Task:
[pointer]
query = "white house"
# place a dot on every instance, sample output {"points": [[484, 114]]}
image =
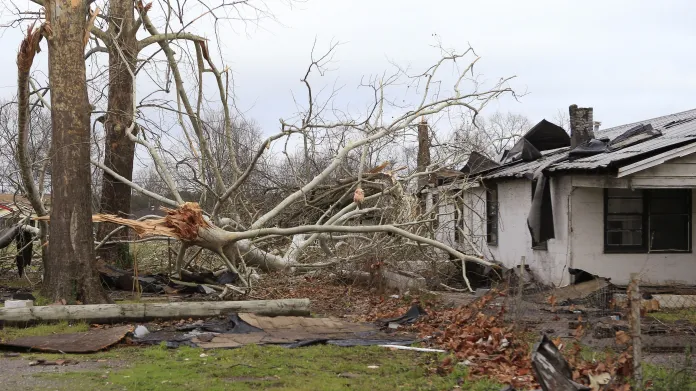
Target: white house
{"points": [[610, 202]]}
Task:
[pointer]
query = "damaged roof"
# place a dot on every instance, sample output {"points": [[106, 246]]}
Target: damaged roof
{"points": [[671, 131]]}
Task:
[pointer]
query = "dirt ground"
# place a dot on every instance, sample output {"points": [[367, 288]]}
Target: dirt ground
{"points": [[530, 313]]}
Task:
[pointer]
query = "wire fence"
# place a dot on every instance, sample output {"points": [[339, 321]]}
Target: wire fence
{"points": [[662, 324], [655, 324]]}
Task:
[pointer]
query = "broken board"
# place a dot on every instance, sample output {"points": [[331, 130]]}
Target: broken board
{"points": [[284, 330], [86, 342]]}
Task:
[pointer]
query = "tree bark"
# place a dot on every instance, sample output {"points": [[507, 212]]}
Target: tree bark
{"points": [[119, 150], [70, 272]]}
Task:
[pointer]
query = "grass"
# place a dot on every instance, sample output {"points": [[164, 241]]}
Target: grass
{"points": [[671, 316], [10, 333], [668, 379], [256, 368], [321, 367]]}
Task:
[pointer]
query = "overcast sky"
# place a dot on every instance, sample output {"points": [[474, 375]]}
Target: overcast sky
{"points": [[630, 60]]}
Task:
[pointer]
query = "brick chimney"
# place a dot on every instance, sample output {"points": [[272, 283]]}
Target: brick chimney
{"points": [[423, 158], [581, 125]]}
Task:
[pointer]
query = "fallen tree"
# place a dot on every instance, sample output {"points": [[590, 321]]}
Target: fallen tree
{"points": [[140, 312], [334, 146]]}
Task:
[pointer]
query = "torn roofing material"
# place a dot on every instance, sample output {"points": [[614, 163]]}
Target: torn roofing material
{"points": [[478, 163], [546, 136], [625, 143]]}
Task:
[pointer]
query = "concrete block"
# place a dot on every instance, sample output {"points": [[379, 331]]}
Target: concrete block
{"points": [[19, 303]]}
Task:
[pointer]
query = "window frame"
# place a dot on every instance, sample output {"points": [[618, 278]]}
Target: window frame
{"points": [[492, 226], [644, 247]]}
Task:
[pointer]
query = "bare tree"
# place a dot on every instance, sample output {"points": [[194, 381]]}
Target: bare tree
{"points": [[337, 152], [238, 245], [490, 135]]}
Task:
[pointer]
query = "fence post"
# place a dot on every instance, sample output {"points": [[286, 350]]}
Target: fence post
{"points": [[520, 288], [634, 301]]}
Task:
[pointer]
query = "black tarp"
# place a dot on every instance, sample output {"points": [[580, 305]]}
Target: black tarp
{"points": [[23, 241], [540, 218], [551, 370], [523, 150], [545, 136], [7, 235], [478, 163], [589, 148]]}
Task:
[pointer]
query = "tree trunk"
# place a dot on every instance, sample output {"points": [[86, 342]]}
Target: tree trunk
{"points": [[70, 272], [119, 150], [140, 312]]}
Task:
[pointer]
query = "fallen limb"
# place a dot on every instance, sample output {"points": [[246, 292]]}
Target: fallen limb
{"points": [[140, 312], [401, 347]]}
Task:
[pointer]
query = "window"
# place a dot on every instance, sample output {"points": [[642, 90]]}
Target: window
{"points": [[492, 216], [641, 221]]}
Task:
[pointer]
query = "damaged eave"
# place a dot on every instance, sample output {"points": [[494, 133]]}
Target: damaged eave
{"points": [[656, 160]]}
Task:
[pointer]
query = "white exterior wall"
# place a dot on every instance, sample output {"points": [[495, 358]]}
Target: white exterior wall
{"points": [[514, 239], [584, 247], [587, 245]]}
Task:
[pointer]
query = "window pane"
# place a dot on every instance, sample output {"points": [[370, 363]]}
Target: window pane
{"points": [[625, 238], [669, 201], [669, 232], [625, 205], [664, 205], [624, 193], [624, 223], [669, 193]]}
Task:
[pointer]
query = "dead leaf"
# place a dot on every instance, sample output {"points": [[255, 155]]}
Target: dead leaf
{"points": [[622, 338], [599, 380]]}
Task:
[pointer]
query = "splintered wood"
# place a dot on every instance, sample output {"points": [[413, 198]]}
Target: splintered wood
{"points": [[181, 223]]}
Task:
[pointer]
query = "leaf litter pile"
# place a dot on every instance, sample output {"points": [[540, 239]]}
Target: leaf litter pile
{"points": [[477, 334], [479, 338]]}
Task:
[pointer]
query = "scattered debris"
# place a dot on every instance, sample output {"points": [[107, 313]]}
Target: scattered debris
{"points": [[86, 342], [53, 362], [552, 370], [141, 331], [400, 347], [410, 317], [244, 329]]}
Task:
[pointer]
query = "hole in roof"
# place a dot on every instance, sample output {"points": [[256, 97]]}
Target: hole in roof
{"points": [[679, 122]]}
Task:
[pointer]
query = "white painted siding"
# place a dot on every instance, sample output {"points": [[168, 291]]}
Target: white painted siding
{"points": [[679, 172], [588, 248]]}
